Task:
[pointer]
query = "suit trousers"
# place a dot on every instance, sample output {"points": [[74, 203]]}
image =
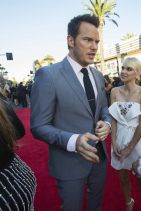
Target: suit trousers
{"points": [[72, 191]]}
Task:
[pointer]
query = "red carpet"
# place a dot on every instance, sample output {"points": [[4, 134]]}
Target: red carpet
{"points": [[35, 154]]}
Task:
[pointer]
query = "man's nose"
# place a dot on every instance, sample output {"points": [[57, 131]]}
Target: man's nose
{"points": [[94, 45]]}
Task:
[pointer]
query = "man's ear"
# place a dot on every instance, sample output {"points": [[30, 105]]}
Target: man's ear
{"points": [[70, 41]]}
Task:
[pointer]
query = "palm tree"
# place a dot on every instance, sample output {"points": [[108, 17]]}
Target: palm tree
{"points": [[127, 36], [48, 59], [103, 9], [2, 81], [36, 65], [1, 69]]}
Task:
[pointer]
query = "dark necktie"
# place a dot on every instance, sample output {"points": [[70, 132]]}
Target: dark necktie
{"points": [[89, 90]]}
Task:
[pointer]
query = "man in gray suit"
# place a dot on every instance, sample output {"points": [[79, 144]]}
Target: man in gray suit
{"points": [[62, 117]]}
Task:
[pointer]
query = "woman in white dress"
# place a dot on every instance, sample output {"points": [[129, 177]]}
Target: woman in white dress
{"points": [[125, 110]]}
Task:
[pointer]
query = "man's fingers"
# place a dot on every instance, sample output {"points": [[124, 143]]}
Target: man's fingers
{"points": [[99, 124], [89, 152], [102, 138], [90, 136], [102, 130], [82, 142], [90, 156], [87, 147], [102, 134]]}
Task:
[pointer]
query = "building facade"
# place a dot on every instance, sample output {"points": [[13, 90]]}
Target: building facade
{"points": [[114, 56]]}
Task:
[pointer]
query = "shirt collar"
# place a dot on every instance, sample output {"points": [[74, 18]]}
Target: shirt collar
{"points": [[75, 65]]}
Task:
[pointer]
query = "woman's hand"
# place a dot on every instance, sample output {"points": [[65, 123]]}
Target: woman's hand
{"points": [[125, 152], [117, 151]]}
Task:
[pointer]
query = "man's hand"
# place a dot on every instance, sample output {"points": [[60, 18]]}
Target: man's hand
{"points": [[102, 130], [86, 150]]}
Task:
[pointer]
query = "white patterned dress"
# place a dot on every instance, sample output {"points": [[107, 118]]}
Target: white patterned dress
{"points": [[127, 116]]}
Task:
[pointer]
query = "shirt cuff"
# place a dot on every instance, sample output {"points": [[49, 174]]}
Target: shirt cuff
{"points": [[71, 146], [108, 124]]}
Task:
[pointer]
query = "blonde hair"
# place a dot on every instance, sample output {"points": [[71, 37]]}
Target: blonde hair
{"points": [[134, 63]]}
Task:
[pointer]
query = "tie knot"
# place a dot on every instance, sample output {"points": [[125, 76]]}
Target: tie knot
{"points": [[84, 71]]}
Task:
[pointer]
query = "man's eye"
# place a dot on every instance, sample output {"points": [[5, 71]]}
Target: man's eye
{"points": [[87, 39]]}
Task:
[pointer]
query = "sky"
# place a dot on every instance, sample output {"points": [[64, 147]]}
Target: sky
{"points": [[32, 29]]}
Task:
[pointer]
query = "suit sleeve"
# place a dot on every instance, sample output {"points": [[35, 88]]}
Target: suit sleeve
{"points": [[43, 103]]}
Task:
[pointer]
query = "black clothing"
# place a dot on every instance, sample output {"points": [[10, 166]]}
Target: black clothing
{"points": [[17, 186], [21, 92]]}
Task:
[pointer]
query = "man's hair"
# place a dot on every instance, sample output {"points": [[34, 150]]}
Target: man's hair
{"points": [[74, 24]]}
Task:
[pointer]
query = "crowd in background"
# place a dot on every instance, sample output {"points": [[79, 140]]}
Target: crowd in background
{"points": [[18, 94], [113, 82]]}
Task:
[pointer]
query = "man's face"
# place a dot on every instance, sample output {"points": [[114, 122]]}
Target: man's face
{"points": [[84, 47]]}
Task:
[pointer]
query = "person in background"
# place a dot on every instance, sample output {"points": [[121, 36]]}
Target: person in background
{"points": [[13, 90], [17, 181], [125, 110], [69, 112], [117, 82], [6, 91], [108, 87], [29, 88], [21, 92]]}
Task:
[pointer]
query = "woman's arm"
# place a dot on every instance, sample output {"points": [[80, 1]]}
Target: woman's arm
{"points": [[136, 137], [114, 125]]}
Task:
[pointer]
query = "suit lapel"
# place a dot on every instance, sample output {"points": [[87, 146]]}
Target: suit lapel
{"points": [[74, 83]]}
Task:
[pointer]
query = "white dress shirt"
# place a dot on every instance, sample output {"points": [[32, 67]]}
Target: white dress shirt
{"points": [[71, 146]]}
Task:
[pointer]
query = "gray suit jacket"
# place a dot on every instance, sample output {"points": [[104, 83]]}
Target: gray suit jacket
{"points": [[59, 109]]}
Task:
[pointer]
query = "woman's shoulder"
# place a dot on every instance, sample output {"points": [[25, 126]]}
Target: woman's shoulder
{"points": [[116, 90]]}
